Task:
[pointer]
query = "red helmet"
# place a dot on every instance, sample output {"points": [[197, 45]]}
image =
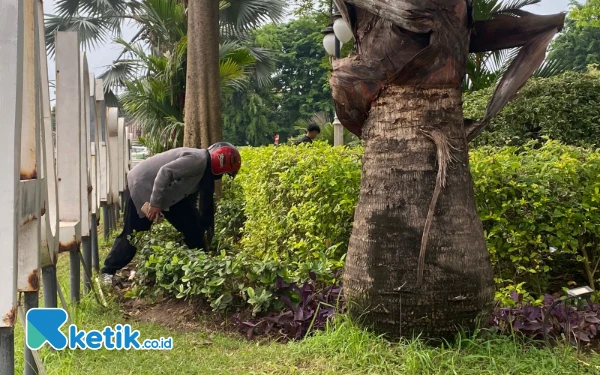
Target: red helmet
{"points": [[225, 158]]}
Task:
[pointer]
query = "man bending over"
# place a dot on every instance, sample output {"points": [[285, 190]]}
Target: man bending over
{"points": [[169, 184]]}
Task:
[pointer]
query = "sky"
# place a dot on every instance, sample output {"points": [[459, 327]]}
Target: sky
{"points": [[103, 55]]}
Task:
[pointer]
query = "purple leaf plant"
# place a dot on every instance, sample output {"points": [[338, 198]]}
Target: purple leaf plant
{"points": [[306, 307], [576, 321]]}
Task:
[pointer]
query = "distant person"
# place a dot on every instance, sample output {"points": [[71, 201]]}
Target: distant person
{"points": [[312, 131], [167, 185]]}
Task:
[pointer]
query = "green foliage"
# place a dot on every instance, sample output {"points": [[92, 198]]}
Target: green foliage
{"points": [[565, 108], [224, 279], [539, 207], [248, 117], [289, 212], [307, 7], [576, 46], [299, 205], [506, 287], [588, 14], [301, 85], [298, 89]]}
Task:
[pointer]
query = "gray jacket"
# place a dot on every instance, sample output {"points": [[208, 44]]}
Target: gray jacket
{"points": [[167, 178]]}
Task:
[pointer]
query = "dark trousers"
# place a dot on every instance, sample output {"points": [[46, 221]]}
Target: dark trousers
{"points": [[184, 217]]}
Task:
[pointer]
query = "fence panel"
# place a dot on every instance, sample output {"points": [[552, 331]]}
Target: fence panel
{"points": [[11, 60], [121, 158], [94, 169], [86, 192], [29, 208], [52, 185], [68, 146]]}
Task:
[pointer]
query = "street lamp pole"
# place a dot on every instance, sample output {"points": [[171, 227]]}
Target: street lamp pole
{"points": [[336, 33], [338, 129]]}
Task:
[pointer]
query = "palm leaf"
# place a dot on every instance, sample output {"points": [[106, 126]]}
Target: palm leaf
{"points": [[92, 31], [550, 68], [70, 8], [232, 75], [240, 16]]}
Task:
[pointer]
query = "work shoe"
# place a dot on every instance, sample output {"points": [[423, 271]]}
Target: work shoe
{"points": [[106, 280]]}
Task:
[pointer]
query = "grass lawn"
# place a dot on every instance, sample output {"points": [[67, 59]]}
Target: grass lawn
{"points": [[341, 349]]}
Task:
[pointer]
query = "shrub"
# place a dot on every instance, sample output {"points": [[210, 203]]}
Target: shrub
{"points": [[289, 214], [564, 108], [539, 207], [286, 216], [307, 307], [225, 279], [299, 204]]}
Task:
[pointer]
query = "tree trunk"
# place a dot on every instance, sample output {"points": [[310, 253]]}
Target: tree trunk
{"points": [[203, 91], [400, 171], [417, 260]]}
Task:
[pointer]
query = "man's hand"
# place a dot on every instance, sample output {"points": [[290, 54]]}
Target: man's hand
{"points": [[154, 213]]}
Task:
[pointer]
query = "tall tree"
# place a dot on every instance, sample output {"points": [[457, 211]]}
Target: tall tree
{"points": [[577, 46], [588, 14], [202, 93], [417, 260], [300, 82], [98, 21]]}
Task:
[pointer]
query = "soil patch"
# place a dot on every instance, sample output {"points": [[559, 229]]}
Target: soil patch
{"points": [[168, 312]]}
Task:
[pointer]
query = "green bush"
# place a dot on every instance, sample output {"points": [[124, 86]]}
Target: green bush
{"points": [[540, 209], [564, 108], [299, 205], [289, 212]]}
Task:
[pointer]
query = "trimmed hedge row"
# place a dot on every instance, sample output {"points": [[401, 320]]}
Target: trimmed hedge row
{"points": [[565, 108], [289, 214]]}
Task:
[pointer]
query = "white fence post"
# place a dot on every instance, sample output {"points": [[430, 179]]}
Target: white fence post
{"points": [[94, 171], [49, 225], [11, 61], [86, 193], [121, 157], [103, 150], [112, 135], [29, 190], [126, 156], [68, 145]]}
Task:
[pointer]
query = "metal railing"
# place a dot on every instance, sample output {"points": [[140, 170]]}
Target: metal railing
{"points": [[51, 196]]}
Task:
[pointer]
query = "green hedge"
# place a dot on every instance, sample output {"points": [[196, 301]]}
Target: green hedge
{"points": [[299, 203], [564, 108], [289, 212], [540, 207]]}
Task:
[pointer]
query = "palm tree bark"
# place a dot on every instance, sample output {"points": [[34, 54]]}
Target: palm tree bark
{"points": [[202, 94], [417, 260], [406, 130]]}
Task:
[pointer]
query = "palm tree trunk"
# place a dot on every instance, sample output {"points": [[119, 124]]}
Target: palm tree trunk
{"points": [[417, 261], [414, 138], [202, 95]]}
